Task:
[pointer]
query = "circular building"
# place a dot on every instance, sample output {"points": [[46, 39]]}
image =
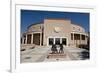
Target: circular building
{"points": [[55, 31]]}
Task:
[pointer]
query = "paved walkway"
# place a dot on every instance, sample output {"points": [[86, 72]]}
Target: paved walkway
{"points": [[33, 55], [39, 54]]}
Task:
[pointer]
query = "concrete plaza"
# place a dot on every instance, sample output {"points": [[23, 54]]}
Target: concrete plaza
{"points": [[39, 54]]}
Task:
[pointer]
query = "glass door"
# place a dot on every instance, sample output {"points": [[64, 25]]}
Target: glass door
{"points": [[51, 41], [64, 41], [57, 41]]}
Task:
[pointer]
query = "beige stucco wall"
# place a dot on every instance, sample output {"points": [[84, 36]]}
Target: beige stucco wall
{"points": [[49, 29]]}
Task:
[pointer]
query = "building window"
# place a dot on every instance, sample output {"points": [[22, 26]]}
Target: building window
{"points": [[36, 38], [71, 36], [51, 40], [83, 37], [57, 41], [76, 36], [29, 39], [64, 41]]}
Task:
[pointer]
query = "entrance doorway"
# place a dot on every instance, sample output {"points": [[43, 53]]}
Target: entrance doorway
{"points": [[57, 41], [36, 39]]}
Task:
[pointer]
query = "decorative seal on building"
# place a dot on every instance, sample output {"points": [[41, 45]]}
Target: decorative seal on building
{"points": [[57, 29]]}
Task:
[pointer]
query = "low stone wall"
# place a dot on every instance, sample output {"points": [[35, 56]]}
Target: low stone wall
{"points": [[56, 56], [27, 46]]}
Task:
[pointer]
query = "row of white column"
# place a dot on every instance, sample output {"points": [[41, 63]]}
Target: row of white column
{"points": [[79, 41], [24, 40]]}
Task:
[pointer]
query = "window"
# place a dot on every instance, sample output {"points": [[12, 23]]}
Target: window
{"points": [[83, 37], [57, 41], [76, 36], [71, 36], [51, 40], [36, 38], [29, 39], [64, 41]]}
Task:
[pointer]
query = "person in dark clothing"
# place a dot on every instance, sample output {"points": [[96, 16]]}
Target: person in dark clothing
{"points": [[54, 49], [61, 49]]}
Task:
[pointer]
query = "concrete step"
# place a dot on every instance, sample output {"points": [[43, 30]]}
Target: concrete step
{"points": [[49, 56]]}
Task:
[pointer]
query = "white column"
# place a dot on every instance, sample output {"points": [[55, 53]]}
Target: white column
{"points": [[54, 40], [60, 40], [73, 39], [26, 39], [23, 40], [32, 38], [80, 38], [40, 38], [86, 39]]}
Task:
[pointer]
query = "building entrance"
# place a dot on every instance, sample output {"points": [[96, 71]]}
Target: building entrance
{"points": [[57, 41]]}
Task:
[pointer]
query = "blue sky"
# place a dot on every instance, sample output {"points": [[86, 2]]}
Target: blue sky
{"points": [[29, 17]]}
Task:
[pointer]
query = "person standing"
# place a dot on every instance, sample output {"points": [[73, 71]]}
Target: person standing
{"points": [[54, 49], [61, 49]]}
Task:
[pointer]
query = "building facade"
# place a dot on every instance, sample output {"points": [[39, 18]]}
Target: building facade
{"points": [[55, 31]]}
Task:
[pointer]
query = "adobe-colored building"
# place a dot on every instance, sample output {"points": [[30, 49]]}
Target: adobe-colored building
{"points": [[55, 31]]}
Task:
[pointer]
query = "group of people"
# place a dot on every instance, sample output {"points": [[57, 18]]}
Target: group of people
{"points": [[57, 49]]}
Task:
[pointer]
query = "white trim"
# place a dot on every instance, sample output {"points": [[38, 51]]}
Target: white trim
{"points": [[57, 37], [84, 33], [33, 32]]}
